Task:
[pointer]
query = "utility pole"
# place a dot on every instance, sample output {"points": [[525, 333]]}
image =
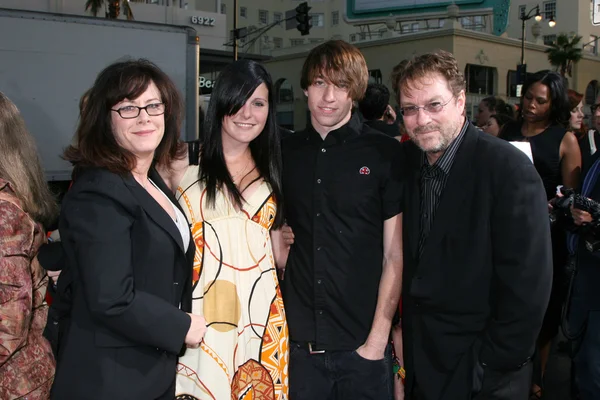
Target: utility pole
{"points": [[235, 31]]}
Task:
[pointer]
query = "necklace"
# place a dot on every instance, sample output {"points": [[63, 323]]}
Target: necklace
{"points": [[239, 172]]}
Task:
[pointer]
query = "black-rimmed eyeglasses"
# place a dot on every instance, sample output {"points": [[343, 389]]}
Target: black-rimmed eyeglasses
{"points": [[128, 112]]}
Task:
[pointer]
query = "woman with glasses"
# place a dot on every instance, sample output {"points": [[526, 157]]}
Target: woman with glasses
{"points": [[233, 200], [542, 122], [127, 244]]}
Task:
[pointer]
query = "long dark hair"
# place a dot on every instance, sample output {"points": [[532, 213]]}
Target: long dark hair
{"points": [[95, 144], [560, 112], [498, 106], [235, 85]]}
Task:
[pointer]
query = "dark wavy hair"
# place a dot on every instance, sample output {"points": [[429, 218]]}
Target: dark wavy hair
{"points": [[560, 111], [233, 88], [95, 144], [499, 106], [375, 102]]}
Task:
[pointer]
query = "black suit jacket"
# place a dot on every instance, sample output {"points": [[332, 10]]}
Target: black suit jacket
{"points": [[129, 275], [477, 295]]}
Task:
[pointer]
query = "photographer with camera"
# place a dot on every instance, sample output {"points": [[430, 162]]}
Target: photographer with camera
{"points": [[584, 304]]}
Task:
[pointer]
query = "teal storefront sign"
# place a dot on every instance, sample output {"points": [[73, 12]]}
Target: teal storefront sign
{"points": [[362, 9]]}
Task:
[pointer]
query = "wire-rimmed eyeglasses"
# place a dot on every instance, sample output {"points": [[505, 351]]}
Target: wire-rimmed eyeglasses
{"points": [[128, 112], [431, 108]]}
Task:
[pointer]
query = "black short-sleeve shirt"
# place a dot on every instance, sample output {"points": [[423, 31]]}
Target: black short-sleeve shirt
{"points": [[338, 192]]}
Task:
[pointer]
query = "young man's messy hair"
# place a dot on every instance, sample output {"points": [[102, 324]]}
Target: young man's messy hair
{"points": [[340, 63]]}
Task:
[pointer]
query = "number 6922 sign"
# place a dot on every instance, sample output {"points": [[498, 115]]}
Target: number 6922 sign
{"points": [[205, 21]]}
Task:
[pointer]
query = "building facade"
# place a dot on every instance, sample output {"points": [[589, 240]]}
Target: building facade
{"points": [[488, 61]]}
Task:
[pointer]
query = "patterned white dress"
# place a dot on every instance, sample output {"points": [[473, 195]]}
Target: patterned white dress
{"points": [[244, 354]]}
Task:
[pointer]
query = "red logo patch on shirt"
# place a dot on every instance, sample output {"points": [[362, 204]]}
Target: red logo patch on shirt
{"points": [[364, 171]]}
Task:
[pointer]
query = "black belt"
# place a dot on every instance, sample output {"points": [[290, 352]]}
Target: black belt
{"points": [[308, 346]]}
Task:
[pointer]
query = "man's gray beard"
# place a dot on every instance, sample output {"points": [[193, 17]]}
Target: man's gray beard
{"points": [[442, 146]]}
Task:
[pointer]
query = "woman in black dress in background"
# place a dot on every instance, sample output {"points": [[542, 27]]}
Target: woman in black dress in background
{"points": [[544, 115]]}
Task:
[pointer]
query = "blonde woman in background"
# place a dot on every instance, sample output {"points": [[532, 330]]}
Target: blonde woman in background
{"points": [[26, 207]]}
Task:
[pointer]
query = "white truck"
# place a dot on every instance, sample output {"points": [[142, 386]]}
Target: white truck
{"points": [[47, 61]]}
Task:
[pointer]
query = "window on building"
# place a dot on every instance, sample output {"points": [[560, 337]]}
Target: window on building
{"points": [[592, 45], [475, 23], [522, 9], [285, 92], [353, 37], [277, 42], [511, 82], [263, 17], [277, 17], [265, 39], [432, 23], [591, 92], [442, 22], [549, 9], [315, 40], [223, 8], [549, 39], [362, 36], [381, 32], [243, 12], [318, 20], [335, 18], [296, 42], [480, 79], [414, 27]]}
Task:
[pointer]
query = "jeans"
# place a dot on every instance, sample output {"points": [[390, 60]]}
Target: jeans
{"points": [[339, 375]]}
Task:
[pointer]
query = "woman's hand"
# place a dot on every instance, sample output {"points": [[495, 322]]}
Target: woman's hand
{"points": [[54, 276], [580, 217], [196, 332], [282, 240]]}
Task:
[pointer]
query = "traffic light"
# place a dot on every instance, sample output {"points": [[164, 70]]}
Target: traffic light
{"points": [[303, 18]]}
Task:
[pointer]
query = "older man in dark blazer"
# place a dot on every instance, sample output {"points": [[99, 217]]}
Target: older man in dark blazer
{"points": [[477, 269]]}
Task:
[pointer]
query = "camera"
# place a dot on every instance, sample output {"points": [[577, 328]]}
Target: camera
{"points": [[561, 209], [561, 214]]}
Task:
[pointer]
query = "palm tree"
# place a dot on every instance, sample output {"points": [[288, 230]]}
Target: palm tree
{"points": [[114, 8], [564, 53]]}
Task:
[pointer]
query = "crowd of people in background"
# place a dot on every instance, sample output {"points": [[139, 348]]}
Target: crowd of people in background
{"points": [[391, 249]]}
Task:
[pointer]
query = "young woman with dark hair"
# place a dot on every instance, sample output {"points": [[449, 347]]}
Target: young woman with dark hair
{"points": [[233, 201], [492, 106], [542, 122], [127, 244], [496, 123], [26, 208]]}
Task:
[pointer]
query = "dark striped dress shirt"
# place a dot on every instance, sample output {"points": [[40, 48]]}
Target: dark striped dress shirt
{"points": [[433, 182]]}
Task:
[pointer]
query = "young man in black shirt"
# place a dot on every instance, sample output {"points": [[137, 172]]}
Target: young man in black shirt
{"points": [[343, 194]]}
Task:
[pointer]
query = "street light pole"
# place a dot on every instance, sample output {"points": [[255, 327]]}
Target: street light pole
{"points": [[526, 17], [522, 41], [235, 34]]}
